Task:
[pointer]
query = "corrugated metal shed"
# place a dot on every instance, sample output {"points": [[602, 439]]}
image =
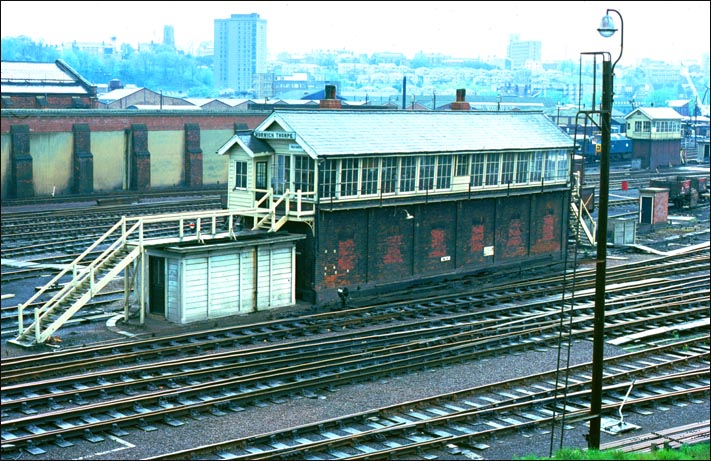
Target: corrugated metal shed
{"points": [[325, 133]]}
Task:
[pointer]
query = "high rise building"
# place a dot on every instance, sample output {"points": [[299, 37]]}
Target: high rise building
{"points": [[240, 52], [169, 36], [520, 52]]}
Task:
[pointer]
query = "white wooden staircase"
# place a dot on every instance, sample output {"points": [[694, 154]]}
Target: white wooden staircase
{"points": [[88, 279], [271, 212], [124, 244]]}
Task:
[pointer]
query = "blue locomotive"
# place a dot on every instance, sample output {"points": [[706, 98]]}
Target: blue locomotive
{"points": [[620, 148]]}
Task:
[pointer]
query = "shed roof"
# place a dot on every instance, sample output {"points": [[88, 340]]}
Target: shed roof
{"points": [[162, 107], [344, 132], [119, 93], [204, 101]]}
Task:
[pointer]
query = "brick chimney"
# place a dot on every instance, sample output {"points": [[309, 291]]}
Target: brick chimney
{"points": [[330, 101], [460, 103]]}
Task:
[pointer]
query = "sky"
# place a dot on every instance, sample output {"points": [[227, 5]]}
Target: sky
{"points": [[669, 31]]}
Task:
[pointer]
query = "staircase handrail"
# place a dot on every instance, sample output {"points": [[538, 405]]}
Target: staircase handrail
{"points": [[42, 335], [271, 211], [71, 266], [300, 199], [288, 195], [268, 195], [157, 218]]}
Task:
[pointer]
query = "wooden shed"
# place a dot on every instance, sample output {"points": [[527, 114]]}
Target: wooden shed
{"points": [[192, 282]]}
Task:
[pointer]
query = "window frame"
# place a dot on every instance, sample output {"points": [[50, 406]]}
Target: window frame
{"points": [[241, 175]]}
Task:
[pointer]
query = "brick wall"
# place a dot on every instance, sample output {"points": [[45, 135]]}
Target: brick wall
{"points": [[191, 136], [193, 156], [83, 160], [379, 246]]}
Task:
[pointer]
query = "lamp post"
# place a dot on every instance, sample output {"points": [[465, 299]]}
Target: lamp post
{"points": [[606, 29]]}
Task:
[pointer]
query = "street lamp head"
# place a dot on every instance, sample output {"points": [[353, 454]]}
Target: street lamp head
{"points": [[607, 26]]}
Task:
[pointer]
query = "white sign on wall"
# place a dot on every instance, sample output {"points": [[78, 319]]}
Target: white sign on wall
{"points": [[274, 135]]}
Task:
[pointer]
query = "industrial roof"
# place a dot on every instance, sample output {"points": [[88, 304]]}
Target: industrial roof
{"points": [[119, 93], [42, 78], [162, 107], [344, 132], [24, 72]]}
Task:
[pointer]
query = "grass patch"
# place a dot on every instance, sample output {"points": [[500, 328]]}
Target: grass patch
{"points": [[695, 451]]}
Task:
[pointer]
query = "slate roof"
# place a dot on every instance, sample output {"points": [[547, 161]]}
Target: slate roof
{"points": [[119, 93], [657, 113], [18, 72], [344, 132], [42, 78], [246, 141], [319, 95]]}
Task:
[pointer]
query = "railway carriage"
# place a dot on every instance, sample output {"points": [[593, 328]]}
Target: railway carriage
{"points": [[386, 198], [684, 191]]}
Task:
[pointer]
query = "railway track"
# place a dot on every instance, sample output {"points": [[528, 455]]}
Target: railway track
{"points": [[686, 368], [12, 205], [223, 380], [469, 418], [507, 297], [449, 330], [111, 390], [30, 234], [100, 309]]}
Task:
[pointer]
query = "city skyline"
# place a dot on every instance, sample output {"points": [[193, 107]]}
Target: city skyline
{"points": [[656, 30]]}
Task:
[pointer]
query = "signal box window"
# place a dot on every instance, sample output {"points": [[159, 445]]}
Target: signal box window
{"points": [[240, 175]]}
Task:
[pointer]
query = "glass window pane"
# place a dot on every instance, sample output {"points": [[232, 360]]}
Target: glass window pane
{"points": [[349, 177], [444, 172], [477, 175], [408, 172], [388, 180], [427, 171], [369, 176]]}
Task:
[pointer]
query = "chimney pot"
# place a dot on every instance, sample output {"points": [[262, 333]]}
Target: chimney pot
{"points": [[460, 103], [330, 101]]}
